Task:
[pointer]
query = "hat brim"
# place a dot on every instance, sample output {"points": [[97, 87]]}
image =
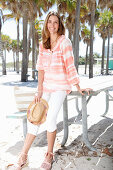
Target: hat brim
{"points": [[42, 118]]}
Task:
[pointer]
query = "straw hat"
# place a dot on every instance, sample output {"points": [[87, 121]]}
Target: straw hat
{"points": [[36, 113]]}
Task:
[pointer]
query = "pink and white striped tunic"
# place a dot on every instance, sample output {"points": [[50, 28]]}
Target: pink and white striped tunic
{"points": [[58, 65]]}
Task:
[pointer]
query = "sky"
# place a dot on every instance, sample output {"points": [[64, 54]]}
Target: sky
{"points": [[10, 28]]}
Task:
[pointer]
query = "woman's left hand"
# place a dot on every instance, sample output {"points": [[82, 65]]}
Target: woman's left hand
{"points": [[81, 91], [88, 90]]}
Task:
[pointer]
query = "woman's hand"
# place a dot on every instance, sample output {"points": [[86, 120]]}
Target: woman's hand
{"points": [[81, 91], [88, 90], [38, 95]]}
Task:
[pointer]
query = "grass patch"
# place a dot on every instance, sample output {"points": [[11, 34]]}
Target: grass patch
{"points": [[89, 159], [11, 64]]}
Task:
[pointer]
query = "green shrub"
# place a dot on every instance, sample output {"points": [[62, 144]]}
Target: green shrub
{"points": [[81, 61]]}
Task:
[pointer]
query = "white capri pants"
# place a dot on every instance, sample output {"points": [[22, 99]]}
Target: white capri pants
{"points": [[55, 101]]}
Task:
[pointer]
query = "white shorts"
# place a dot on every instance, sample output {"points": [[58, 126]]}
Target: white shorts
{"points": [[55, 101]]}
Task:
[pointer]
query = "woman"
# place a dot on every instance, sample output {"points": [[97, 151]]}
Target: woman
{"points": [[56, 75]]}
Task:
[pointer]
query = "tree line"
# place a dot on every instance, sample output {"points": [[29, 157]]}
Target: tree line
{"points": [[80, 18]]}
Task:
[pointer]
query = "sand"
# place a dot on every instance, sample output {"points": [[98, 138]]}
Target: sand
{"points": [[75, 155]]}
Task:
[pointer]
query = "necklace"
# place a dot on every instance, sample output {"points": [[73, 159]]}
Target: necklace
{"points": [[52, 43]]}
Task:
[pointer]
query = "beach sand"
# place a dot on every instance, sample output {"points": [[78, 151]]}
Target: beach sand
{"points": [[75, 155]]}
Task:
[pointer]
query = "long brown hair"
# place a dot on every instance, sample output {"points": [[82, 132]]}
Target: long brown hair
{"points": [[45, 31]]}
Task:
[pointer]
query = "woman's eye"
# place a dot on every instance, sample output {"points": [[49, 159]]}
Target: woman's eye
{"points": [[49, 21]]}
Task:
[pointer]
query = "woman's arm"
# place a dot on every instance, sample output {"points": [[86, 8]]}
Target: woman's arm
{"points": [[72, 75], [83, 90], [68, 58], [40, 80], [39, 92]]}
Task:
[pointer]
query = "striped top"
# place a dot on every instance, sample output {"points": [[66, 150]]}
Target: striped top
{"points": [[58, 65]]}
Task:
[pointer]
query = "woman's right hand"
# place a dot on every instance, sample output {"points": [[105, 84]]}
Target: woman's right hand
{"points": [[38, 95]]}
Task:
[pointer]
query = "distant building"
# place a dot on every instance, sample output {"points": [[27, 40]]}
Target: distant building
{"points": [[110, 50]]}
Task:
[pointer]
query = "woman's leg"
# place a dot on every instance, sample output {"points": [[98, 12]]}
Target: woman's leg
{"points": [[51, 136], [31, 134], [55, 103], [51, 139], [22, 160], [28, 142], [32, 130]]}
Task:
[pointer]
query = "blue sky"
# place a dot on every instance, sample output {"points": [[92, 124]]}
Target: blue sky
{"points": [[9, 28]]}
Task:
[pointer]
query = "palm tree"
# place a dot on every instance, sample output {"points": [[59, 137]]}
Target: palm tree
{"points": [[28, 8], [110, 33], [106, 3], [92, 17], [16, 9], [16, 15], [72, 23], [6, 45], [76, 34], [100, 28], [38, 32], [13, 46], [24, 69], [109, 26], [92, 7], [80, 9], [1, 46], [104, 28], [64, 8], [17, 66], [77, 30], [17, 18], [85, 34]]}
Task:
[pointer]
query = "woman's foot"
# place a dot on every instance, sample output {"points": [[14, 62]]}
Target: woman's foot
{"points": [[22, 162], [47, 163]]}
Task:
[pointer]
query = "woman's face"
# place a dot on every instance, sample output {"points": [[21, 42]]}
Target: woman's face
{"points": [[53, 24]]}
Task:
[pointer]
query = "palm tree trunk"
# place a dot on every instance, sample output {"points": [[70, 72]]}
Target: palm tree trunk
{"points": [[86, 60], [76, 34], [14, 60], [5, 57], [17, 64], [2, 57], [91, 40], [107, 63], [37, 44], [29, 40], [70, 33], [36, 55], [103, 52], [24, 57]]}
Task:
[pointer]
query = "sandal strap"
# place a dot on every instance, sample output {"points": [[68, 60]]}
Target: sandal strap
{"points": [[23, 153], [49, 153], [22, 161], [52, 154]]}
